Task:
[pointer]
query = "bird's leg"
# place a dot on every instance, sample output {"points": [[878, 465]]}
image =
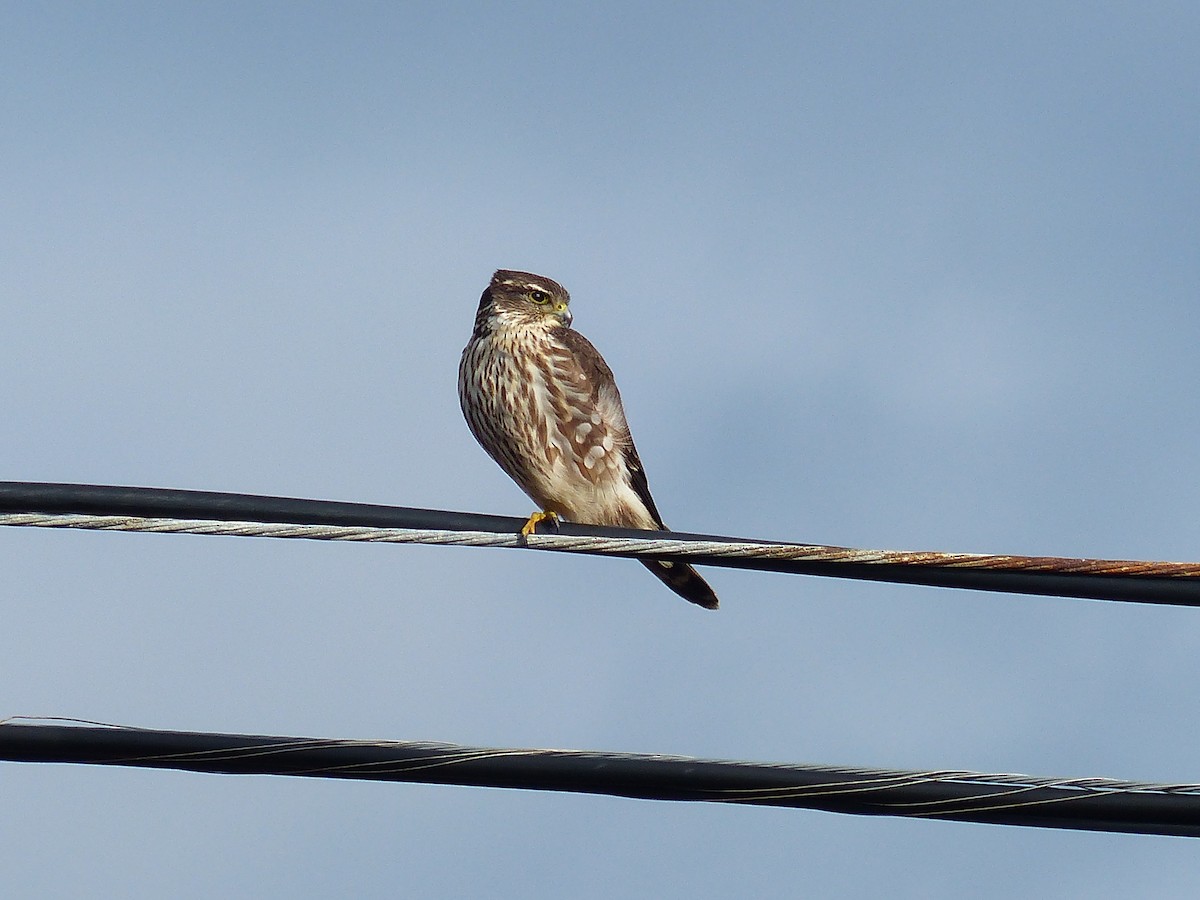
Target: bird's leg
{"points": [[530, 527]]}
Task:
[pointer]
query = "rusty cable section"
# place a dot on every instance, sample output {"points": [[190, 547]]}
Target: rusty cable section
{"points": [[996, 562], [157, 510]]}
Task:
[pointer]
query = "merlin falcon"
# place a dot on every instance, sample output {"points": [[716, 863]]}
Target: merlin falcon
{"points": [[542, 402]]}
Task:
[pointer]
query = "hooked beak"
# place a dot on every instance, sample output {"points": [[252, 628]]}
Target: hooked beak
{"points": [[564, 316]]}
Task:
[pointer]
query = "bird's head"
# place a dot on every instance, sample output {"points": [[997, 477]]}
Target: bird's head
{"points": [[526, 298]]}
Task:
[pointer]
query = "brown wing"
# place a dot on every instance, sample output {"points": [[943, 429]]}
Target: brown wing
{"points": [[679, 577], [604, 388]]}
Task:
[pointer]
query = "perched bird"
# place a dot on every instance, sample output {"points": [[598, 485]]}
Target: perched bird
{"points": [[542, 402]]}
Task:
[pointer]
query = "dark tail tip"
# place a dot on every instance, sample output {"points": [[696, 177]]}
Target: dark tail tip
{"points": [[685, 581]]}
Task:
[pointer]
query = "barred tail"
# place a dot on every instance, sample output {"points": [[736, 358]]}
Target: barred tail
{"points": [[685, 581]]}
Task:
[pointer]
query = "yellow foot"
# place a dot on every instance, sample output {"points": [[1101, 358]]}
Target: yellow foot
{"points": [[531, 526]]}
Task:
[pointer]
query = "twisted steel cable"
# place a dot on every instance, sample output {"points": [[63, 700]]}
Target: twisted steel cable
{"points": [[198, 512]]}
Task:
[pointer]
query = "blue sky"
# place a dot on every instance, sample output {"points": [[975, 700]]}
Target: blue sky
{"points": [[905, 276]]}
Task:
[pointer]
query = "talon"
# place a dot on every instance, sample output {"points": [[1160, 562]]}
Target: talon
{"points": [[530, 527]]}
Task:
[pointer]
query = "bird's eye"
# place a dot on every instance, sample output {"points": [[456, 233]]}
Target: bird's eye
{"points": [[539, 297]]}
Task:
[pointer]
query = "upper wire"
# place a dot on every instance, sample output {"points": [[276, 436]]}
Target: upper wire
{"points": [[112, 508]]}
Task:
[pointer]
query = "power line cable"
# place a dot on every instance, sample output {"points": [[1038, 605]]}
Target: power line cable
{"points": [[1091, 804], [1087, 803], [114, 508]]}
